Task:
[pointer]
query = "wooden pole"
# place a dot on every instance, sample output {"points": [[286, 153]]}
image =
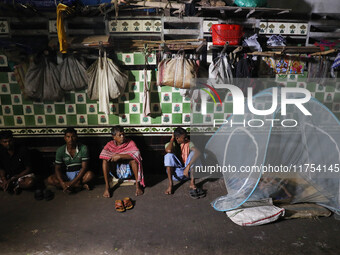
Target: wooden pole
{"points": [[172, 5]]}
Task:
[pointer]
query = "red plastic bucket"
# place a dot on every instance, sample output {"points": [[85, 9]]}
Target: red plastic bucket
{"points": [[222, 33]]}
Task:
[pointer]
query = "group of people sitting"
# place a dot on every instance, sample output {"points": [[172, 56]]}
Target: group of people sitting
{"points": [[120, 156]]}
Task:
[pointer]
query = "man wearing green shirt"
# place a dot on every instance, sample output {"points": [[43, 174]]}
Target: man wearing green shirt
{"points": [[71, 165]]}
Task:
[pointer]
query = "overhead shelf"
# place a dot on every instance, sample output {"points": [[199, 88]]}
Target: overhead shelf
{"points": [[218, 47], [324, 34], [323, 30], [251, 11], [281, 49], [175, 45], [294, 49]]}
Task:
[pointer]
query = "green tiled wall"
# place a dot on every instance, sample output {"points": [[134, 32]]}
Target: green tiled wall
{"points": [[167, 105]]}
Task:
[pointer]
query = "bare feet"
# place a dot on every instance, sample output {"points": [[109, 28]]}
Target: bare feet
{"points": [[86, 186], [67, 191], [139, 191], [192, 186], [168, 191], [106, 194], [17, 190]]}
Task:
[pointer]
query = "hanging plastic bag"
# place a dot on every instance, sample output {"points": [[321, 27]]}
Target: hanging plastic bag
{"points": [[106, 82], [177, 72], [34, 80], [42, 81], [51, 89], [253, 44], [73, 74], [220, 70]]}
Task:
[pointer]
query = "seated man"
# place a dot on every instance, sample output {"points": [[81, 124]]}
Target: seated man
{"points": [[121, 154], [71, 165], [15, 165], [179, 160]]}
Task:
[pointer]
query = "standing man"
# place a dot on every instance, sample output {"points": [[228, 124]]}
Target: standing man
{"points": [[121, 155], [71, 165], [15, 165]]}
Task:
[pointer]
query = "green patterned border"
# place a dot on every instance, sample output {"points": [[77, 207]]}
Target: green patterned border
{"points": [[93, 131], [104, 131]]}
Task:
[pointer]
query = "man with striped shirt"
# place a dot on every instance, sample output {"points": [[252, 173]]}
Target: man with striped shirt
{"points": [[71, 165]]}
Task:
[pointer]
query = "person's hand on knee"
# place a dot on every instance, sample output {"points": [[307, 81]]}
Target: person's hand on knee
{"points": [[186, 171]]}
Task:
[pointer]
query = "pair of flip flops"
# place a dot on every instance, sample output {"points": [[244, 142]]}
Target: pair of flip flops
{"points": [[123, 205], [46, 194], [196, 193]]}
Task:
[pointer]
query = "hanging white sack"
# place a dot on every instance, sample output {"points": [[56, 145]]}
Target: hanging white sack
{"points": [[106, 82], [177, 72], [220, 70], [52, 90], [73, 74], [103, 89]]}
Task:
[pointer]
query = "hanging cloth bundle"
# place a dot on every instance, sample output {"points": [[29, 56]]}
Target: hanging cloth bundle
{"points": [[42, 81], [73, 74], [244, 69], [61, 9], [318, 70], [177, 72], [106, 82], [220, 70], [335, 65]]}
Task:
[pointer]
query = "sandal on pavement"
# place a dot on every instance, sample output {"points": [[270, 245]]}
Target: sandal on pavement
{"points": [[48, 194], [38, 194], [200, 192], [193, 193], [196, 193], [128, 203], [119, 206]]}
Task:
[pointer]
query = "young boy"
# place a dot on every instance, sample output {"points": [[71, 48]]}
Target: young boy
{"points": [[180, 158]]}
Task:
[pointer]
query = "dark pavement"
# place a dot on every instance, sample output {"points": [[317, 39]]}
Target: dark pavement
{"points": [[87, 223]]}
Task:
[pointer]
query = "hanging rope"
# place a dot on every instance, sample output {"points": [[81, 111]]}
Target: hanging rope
{"points": [[146, 100]]}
